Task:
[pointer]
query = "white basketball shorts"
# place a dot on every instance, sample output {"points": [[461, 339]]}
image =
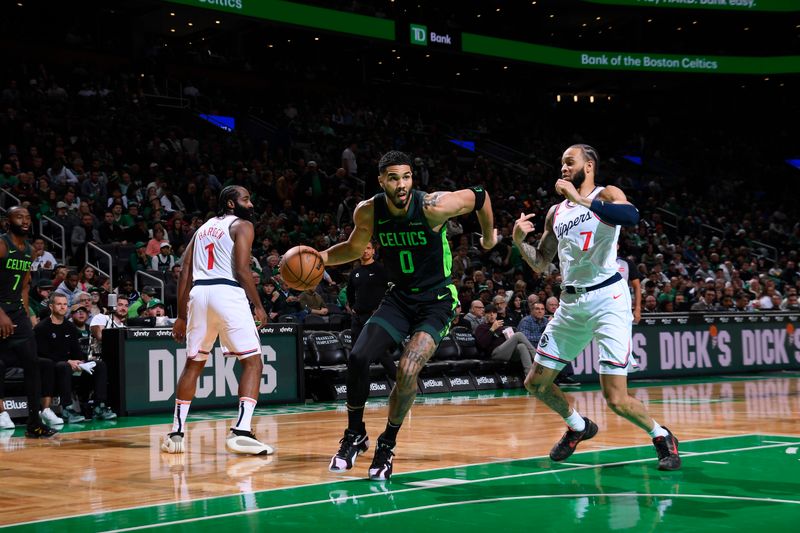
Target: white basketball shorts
{"points": [[224, 311], [603, 314]]}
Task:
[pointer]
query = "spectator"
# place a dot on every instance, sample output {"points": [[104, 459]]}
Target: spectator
{"points": [[287, 303], [154, 245], [742, 303], [313, 302], [491, 340], [706, 301], [650, 304], [81, 236], [147, 293], [171, 289], [139, 260], [38, 300], [349, 163], [87, 278], [69, 287], [475, 315], [110, 232], [164, 260], [42, 259], [532, 326], [515, 311], [550, 305], [117, 319], [790, 303]]}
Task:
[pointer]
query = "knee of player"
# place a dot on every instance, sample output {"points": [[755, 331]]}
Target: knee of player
{"points": [[536, 388], [616, 402], [406, 380], [254, 361]]}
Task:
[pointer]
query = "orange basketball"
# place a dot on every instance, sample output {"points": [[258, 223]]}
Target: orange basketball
{"points": [[301, 268]]}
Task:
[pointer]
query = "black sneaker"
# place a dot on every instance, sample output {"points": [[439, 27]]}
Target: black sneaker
{"points": [[568, 381], [381, 467], [37, 430], [667, 450], [352, 445], [566, 446]]}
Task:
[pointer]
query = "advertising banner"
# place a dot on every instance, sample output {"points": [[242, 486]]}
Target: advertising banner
{"points": [[152, 362], [684, 345], [719, 5]]}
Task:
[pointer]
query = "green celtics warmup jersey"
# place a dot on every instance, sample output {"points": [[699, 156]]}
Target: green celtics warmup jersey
{"points": [[416, 257], [13, 268]]}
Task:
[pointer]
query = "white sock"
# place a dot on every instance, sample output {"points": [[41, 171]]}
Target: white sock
{"points": [[657, 431], [181, 411], [246, 407], [575, 421]]}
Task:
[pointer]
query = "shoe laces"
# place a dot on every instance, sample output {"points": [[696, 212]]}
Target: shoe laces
{"points": [[383, 452], [348, 442]]}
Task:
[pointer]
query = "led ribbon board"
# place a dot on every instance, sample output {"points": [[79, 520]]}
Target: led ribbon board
{"points": [[302, 15], [562, 57], [719, 5]]}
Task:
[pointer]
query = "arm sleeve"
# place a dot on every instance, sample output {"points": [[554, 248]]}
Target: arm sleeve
{"points": [[617, 214]]}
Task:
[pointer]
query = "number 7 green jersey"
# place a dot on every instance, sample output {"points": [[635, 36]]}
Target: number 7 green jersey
{"points": [[13, 268]]}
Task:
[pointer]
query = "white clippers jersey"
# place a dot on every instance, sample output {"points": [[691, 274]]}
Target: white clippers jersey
{"points": [[623, 267], [587, 246], [213, 250]]}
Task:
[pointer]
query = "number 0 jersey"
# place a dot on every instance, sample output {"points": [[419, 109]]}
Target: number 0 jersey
{"points": [[587, 245], [13, 269], [416, 257], [213, 250]]}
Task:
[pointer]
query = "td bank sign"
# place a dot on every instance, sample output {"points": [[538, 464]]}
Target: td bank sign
{"points": [[420, 36]]}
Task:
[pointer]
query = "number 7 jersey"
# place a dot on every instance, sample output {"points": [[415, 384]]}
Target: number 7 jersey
{"points": [[212, 257], [587, 245]]}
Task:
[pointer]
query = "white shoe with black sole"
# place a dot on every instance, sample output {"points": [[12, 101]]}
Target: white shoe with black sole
{"points": [[245, 443]]}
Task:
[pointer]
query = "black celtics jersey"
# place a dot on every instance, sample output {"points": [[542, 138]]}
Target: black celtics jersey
{"points": [[416, 257], [13, 269]]}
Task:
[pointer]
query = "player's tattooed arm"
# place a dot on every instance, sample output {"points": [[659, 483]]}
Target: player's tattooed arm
{"points": [[433, 199], [537, 257]]}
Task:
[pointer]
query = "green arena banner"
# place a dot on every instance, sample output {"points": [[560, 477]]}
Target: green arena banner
{"points": [[719, 5], [150, 362], [302, 15], [562, 57], [682, 345]]}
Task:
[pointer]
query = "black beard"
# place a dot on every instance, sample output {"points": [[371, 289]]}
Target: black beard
{"points": [[18, 231], [578, 179], [243, 212]]}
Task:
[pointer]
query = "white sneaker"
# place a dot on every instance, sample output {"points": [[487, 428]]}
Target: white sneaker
{"points": [[244, 442], [50, 418], [173, 443], [5, 421]]}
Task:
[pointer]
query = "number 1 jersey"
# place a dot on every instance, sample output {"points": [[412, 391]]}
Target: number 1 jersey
{"points": [[213, 250]]}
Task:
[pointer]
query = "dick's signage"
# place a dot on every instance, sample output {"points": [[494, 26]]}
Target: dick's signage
{"points": [[708, 345], [153, 362]]}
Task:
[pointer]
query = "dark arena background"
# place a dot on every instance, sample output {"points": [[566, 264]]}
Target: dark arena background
{"points": [[121, 121]]}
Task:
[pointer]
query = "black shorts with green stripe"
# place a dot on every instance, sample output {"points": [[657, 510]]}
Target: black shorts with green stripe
{"points": [[402, 313]]}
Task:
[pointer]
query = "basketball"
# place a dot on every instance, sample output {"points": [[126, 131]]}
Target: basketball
{"points": [[302, 268]]}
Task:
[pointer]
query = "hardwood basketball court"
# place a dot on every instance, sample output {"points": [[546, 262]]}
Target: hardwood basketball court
{"points": [[467, 462]]}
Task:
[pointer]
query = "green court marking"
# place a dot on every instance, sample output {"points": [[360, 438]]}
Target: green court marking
{"points": [[611, 489]]}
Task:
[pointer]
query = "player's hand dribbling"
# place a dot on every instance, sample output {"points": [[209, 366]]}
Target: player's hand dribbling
{"points": [[489, 244], [179, 330], [522, 227]]}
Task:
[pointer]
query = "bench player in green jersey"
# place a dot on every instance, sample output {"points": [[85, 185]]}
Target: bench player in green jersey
{"points": [[17, 342], [409, 225]]}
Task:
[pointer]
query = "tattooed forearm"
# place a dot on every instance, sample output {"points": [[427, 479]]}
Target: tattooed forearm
{"points": [[531, 256], [432, 199]]}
